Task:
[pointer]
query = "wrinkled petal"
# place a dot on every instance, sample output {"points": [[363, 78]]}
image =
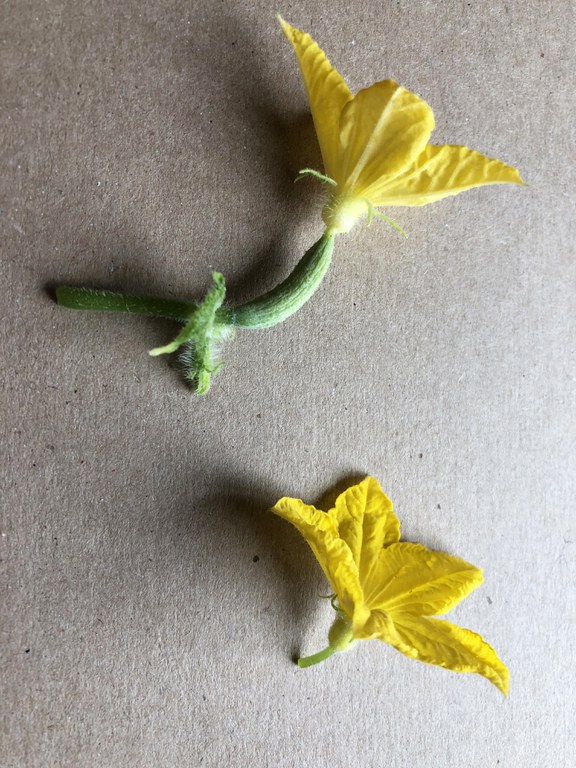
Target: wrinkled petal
{"points": [[333, 554], [383, 129], [439, 172], [366, 521], [444, 644], [412, 579], [327, 92], [378, 625]]}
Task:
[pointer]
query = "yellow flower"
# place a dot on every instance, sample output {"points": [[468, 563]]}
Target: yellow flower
{"points": [[375, 144], [388, 589]]}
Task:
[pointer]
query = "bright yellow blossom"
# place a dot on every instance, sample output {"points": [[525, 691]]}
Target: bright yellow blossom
{"points": [[388, 589], [375, 144]]}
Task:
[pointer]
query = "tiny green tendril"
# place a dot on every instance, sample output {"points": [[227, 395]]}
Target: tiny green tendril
{"points": [[316, 174]]}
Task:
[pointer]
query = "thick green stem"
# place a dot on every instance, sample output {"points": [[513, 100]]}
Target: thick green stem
{"points": [[281, 302], [316, 658], [267, 310]]}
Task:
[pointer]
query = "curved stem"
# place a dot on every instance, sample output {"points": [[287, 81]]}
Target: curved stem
{"points": [[207, 323], [316, 658], [281, 302], [263, 312]]}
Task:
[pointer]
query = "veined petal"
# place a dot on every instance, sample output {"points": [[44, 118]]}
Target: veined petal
{"points": [[327, 92], [412, 579], [366, 521], [378, 625], [383, 129], [440, 172], [442, 643], [333, 554]]}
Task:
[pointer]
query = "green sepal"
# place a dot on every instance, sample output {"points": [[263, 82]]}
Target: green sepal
{"points": [[315, 174], [199, 337]]}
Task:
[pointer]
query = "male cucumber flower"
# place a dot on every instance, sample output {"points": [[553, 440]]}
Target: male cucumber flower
{"points": [[375, 144], [388, 589]]}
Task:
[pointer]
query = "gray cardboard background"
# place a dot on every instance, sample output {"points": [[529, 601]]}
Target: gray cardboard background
{"points": [[145, 144]]}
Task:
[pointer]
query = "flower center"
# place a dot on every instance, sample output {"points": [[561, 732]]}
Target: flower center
{"points": [[343, 210]]}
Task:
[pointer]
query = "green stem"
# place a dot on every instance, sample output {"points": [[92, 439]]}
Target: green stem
{"points": [[287, 298], [207, 323], [263, 312], [109, 301], [316, 658]]}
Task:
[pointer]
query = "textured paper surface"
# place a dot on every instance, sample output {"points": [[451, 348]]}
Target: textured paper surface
{"points": [[151, 604]]}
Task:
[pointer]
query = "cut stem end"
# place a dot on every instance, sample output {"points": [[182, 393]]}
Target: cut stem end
{"points": [[316, 658]]}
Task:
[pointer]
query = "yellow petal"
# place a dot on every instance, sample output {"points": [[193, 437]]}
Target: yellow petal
{"points": [[378, 625], [366, 521], [439, 172], [333, 554], [446, 645], [412, 579], [383, 129], [327, 92]]}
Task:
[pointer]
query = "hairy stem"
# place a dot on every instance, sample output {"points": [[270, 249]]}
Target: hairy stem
{"points": [[109, 301], [288, 297], [263, 312]]}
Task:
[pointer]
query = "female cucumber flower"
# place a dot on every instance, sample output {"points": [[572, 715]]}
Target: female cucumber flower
{"points": [[376, 153], [375, 144], [388, 589]]}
